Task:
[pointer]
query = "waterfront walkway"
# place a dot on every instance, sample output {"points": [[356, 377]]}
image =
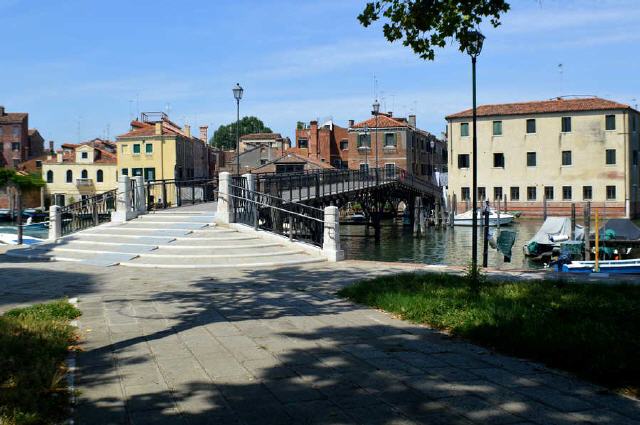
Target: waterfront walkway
{"points": [[277, 346]]}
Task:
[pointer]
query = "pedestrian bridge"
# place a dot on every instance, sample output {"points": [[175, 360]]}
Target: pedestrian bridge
{"points": [[263, 220]]}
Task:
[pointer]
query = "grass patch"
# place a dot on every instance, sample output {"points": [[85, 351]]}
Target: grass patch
{"points": [[590, 330], [34, 342]]}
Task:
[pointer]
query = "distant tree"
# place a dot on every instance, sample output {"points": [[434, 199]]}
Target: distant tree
{"points": [[225, 136], [9, 178], [424, 25], [300, 125]]}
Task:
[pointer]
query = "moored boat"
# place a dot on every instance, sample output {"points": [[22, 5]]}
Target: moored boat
{"points": [[604, 266], [466, 218], [12, 239]]}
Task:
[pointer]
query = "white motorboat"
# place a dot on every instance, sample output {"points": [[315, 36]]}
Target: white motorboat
{"points": [[466, 218], [12, 239]]}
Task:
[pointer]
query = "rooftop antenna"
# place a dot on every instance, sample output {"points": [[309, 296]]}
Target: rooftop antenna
{"points": [[635, 103], [138, 104], [130, 110], [561, 72], [78, 129], [108, 131], [167, 108]]}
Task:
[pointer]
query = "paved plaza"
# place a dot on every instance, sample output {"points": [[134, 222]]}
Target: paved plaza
{"points": [[277, 346]]}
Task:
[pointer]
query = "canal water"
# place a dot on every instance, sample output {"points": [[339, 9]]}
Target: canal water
{"points": [[450, 246], [33, 231]]}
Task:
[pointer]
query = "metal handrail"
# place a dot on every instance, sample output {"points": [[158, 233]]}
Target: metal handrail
{"points": [[279, 199]]}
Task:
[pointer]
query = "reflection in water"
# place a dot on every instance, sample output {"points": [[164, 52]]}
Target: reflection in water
{"points": [[450, 246]]}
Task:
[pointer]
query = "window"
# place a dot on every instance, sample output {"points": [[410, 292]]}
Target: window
{"points": [[531, 126], [124, 149], [566, 124], [364, 167], [635, 157], [390, 169], [364, 140], [566, 157], [84, 174], [531, 193], [344, 144], [531, 159], [149, 174], [466, 194], [303, 143], [610, 122], [148, 148], [84, 155], [49, 176], [99, 176], [389, 139], [136, 149], [69, 176], [38, 163], [463, 160], [587, 193], [136, 171], [125, 171], [16, 131], [497, 128], [482, 193], [497, 193], [515, 193], [498, 160], [611, 157], [611, 192], [566, 193], [15, 146], [464, 129], [548, 192]]}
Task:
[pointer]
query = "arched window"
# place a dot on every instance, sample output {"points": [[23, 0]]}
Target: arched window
{"points": [[99, 176], [84, 174], [50, 176], [69, 176]]}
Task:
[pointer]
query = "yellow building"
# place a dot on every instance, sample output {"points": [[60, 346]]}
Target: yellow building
{"points": [[80, 171], [565, 150]]}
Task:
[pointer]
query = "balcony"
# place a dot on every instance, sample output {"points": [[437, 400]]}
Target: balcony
{"points": [[84, 182]]}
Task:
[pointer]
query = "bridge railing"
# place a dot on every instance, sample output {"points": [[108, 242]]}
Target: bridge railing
{"points": [[168, 193], [86, 213], [276, 215]]}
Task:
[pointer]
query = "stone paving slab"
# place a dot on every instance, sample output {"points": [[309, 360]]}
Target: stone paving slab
{"points": [[278, 347]]}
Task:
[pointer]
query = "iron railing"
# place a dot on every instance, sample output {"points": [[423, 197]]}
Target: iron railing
{"points": [[273, 214], [88, 212], [310, 184], [161, 194]]}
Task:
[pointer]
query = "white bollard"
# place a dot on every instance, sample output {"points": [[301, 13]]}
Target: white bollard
{"points": [[331, 243], [55, 223], [124, 210], [223, 214], [141, 202]]}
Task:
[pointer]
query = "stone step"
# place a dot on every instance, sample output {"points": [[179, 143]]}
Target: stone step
{"points": [[220, 263], [195, 242], [188, 257], [163, 225], [119, 239], [49, 252], [186, 246]]}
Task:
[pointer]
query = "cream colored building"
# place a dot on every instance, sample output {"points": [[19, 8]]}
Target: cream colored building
{"points": [[80, 171], [567, 150]]}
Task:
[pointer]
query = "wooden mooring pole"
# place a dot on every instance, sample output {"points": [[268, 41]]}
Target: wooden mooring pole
{"points": [[587, 231]]}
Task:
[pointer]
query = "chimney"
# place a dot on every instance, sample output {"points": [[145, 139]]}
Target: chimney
{"points": [[313, 138], [1, 111], [159, 128], [390, 114], [59, 157], [187, 130], [51, 147], [351, 123], [412, 120], [203, 133]]}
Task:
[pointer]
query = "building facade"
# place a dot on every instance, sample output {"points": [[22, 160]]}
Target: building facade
{"points": [[18, 143], [291, 163], [79, 171], [327, 143], [399, 144], [562, 150], [158, 149], [272, 141]]}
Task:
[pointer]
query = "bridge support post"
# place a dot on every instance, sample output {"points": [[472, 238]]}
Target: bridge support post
{"points": [[141, 204], [225, 206], [251, 185], [55, 223], [124, 210], [415, 210], [331, 242]]}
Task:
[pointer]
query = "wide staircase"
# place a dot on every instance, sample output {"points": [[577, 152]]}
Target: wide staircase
{"points": [[172, 239]]}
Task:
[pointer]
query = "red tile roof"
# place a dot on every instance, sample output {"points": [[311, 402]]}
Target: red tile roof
{"points": [[541, 107], [13, 117], [383, 121], [262, 136], [102, 156]]}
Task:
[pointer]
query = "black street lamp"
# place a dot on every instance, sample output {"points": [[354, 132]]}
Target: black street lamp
{"points": [[237, 94], [376, 111], [367, 146], [473, 49]]}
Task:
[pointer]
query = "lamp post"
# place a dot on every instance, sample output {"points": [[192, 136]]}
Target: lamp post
{"points": [[237, 94], [367, 146], [473, 49], [376, 111]]}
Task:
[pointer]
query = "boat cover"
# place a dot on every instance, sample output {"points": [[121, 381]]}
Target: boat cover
{"points": [[552, 227], [622, 228]]}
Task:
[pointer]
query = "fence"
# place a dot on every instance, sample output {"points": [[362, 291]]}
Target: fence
{"points": [[161, 194], [88, 212]]}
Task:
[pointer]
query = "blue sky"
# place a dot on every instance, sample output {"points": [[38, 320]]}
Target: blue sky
{"points": [[82, 68]]}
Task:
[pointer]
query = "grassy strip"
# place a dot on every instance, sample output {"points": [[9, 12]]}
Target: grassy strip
{"points": [[590, 330], [34, 342]]}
